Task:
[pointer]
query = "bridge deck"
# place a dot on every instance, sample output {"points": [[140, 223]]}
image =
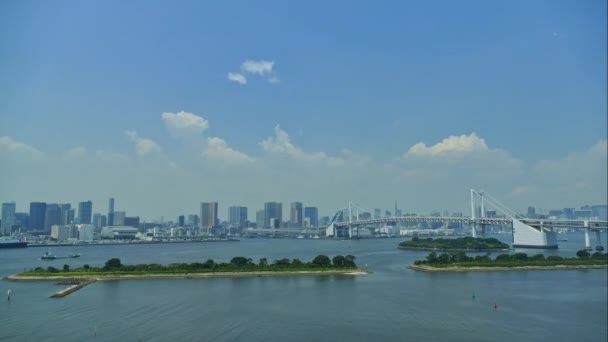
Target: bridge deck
{"points": [[480, 221]]}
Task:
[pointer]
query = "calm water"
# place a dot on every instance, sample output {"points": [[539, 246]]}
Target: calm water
{"points": [[391, 304]]}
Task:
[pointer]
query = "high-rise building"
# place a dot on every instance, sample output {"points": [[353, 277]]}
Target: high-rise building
{"points": [[104, 221], [377, 213], [64, 212], [259, 219], [531, 212], [296, 214], [96, 221], [85, 232], [52, 216], [37, 213], [312, 213], [181, 220], [119, 218], [237, 216], [22, 220], [193, 220], [273, 210], [85, 210], [61, 232], [8, 217], [209, 217], [111, 211], [71, 216]]}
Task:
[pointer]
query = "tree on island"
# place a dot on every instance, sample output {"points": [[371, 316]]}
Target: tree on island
{"points": [[113, 263], [322, 261], [583, 254], [241, 261]]}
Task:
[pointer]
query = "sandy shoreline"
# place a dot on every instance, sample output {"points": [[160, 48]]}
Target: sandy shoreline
{"points": [[16, 277], [426, 268]]}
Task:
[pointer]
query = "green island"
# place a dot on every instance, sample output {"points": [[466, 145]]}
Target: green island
{"points": [[465, 244], [460, 262], [114, 268]]}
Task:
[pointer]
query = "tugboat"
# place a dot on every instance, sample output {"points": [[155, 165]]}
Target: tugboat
{"points": [[48, 256]]}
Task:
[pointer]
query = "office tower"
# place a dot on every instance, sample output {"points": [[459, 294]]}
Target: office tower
{"points": [[193, 220], [37, 213], [272, 210], [531, 212], [237, 216], [111, 211], [180, 221], [64, 213], [104, 221], [52, 216], [96, 221], [209, 215], [70, 216], [119, 218], [8, 217], [296, 214], [85, 209], [259, 219], [312, 214], [22, 220]]}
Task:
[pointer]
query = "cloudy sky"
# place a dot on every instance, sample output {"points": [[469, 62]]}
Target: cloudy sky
{"points": [[163, 105]]}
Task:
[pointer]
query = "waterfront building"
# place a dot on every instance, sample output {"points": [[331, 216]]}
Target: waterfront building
{"points": [[131, 221], [273, 210], [312, 214], [8, 217], [209, 217], [111, 211], [85, 232], [61, 233], [119, 232], [119, 218], [259, 218], [52, 216], [237, 216], [296, 214], [85, 209], [37, 213]]}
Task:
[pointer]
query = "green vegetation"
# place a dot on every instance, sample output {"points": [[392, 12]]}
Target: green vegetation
{"points": [[238, 264], [463, 243], [460, 259]]}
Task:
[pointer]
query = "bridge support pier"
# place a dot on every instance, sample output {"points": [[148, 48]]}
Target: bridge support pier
{"points": [[587, 242]]}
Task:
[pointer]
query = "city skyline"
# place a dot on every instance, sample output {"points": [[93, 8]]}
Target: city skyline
{"points": [[360, 103]]}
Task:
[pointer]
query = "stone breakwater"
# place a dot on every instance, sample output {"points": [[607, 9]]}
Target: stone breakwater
{"points": [[426, 268]]}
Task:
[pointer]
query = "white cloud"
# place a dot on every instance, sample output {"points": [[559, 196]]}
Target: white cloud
{"points": [[9, 145], [262, 68], [182, 123], [218, 150], [452, 144], [144, 147], [257, 67], [236, 77], [281, 144]]}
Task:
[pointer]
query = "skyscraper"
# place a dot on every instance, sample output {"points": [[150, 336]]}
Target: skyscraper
{"points": [[272, 210], [259, 219], [296, 214], [237, 216], [312, 214], [85, 210], [119, 218], [37, 213], [209, 215], [8, 217], [64, 212], [52, 216], [531, 212], [181, 221], [111, 211]]}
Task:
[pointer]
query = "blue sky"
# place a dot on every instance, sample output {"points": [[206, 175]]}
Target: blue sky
{"points": [[373, 78]]}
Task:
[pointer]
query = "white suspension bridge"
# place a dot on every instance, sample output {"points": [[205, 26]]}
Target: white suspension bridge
{"points": [[527, 233]]}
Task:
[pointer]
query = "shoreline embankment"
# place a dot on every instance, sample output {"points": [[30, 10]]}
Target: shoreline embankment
{"points": [[426, 268]]}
